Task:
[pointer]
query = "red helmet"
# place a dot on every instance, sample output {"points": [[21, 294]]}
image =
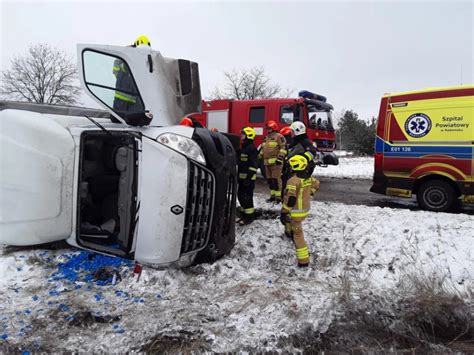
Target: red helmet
{"points": [[186, 121], [285, 131], [273, 125]]}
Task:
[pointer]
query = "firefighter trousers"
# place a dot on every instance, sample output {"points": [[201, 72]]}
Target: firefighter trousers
{"points": [[301, 248], [273, 173], [245, 197]]}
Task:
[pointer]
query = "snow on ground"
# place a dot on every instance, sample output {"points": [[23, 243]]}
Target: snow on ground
{"points": [[250, 299], [343, 153], [349, 168]]}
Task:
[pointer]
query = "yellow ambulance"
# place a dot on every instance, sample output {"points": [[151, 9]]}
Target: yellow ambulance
{"points": [[424, 146]]}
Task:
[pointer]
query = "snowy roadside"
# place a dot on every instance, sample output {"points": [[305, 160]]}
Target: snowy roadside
{"points": [[349, 168], [343, 153], [252, 299]]}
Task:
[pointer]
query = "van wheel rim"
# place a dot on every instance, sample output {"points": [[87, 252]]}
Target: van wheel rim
{"points": [[435, 197]]}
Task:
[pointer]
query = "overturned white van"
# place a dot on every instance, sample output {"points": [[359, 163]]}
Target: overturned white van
{"points": [[123, 181]]}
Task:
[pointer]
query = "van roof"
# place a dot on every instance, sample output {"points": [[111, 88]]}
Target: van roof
{"points": [[435, 89]]}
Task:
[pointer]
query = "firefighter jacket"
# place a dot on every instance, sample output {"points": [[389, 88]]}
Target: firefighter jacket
{"points": [[302, 145], [248, 161], [297, 198], [273, 148], [124, 83]]}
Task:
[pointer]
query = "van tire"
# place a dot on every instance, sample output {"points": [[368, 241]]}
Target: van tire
{"points": [[437, 196]]}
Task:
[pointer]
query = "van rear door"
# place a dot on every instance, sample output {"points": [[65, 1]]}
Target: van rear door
{"points": [[130, 82]]}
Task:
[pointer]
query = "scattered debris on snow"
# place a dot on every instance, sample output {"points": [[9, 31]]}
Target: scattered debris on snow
{"points": [[254, 299]]}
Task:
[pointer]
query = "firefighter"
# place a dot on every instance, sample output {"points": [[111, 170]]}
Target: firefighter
{"points": [[302, 145], [286, 132], [296, 205], [190, 122], [126, 98], [247, 170], [273, 152], [286, 171]]}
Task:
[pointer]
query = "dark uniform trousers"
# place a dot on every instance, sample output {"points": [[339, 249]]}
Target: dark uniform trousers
{"points": [[247, 169]]}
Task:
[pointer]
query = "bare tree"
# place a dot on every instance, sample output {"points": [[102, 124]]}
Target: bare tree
{"points": [[247, 84], [44, 75]]}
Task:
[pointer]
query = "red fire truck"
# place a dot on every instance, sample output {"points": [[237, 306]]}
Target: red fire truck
{"points": [[229, 116]]}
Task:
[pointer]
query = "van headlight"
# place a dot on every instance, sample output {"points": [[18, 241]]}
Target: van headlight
{"points": [[183, 145]]}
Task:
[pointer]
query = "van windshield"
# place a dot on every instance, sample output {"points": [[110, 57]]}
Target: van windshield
{"points": [[320, 119]]}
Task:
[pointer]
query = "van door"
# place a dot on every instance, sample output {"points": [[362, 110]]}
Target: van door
{"points": [[107, 185], [138, 86]]}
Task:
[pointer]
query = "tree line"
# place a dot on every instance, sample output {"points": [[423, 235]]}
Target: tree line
{"points": [[354, 134], [48, 75]]}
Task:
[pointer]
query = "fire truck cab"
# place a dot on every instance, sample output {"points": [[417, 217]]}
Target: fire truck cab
{"points": [[229, 116]]}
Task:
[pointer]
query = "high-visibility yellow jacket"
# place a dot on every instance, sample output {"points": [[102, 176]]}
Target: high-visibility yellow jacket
{"points": [[297, 197], [273, 148], [124, 83]]}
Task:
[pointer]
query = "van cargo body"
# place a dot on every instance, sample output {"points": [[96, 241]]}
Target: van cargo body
{"points": [[424, 146], [122, 181]]}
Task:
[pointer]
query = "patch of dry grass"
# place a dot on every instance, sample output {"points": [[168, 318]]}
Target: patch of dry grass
{"points": [[183, 342], [425, 314]]}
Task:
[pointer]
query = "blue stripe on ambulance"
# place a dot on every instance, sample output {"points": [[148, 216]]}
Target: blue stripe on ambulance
{"points": [[458, 152]]}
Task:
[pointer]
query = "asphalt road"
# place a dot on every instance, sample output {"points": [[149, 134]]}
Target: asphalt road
{"points": [[356, 192]]}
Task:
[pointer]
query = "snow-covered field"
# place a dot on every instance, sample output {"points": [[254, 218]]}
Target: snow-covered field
{"points": [[252, 299], [349, 168]]}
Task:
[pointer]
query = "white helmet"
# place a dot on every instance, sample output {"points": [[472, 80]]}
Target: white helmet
{"points": [[298, 128]]}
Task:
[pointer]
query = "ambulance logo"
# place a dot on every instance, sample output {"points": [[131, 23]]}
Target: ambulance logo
{"points": [[418, 125]]}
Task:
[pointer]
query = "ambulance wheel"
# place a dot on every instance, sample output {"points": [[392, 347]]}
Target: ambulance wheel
{"points": [[437, 196]]}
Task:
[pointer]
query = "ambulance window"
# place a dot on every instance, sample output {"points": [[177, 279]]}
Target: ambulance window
{"points": [[110, 80], [257, 115]]}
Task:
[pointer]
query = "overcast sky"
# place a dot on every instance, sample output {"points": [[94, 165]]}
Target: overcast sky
{"points": [[352, 52]]}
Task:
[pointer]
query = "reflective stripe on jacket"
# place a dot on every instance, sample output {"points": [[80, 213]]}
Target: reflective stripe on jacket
{"points": [[273, 148], [305, 148], [301, 189], [247, 162], [124, 82]]}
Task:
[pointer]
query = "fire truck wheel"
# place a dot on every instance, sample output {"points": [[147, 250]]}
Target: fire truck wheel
{"points": [[436, 195]]}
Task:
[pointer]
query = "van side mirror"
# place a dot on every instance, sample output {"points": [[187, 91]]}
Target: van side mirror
{"points": [[143, 118]]}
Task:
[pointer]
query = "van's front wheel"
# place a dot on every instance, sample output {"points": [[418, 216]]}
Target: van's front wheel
{"points": [[436, 195]]}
